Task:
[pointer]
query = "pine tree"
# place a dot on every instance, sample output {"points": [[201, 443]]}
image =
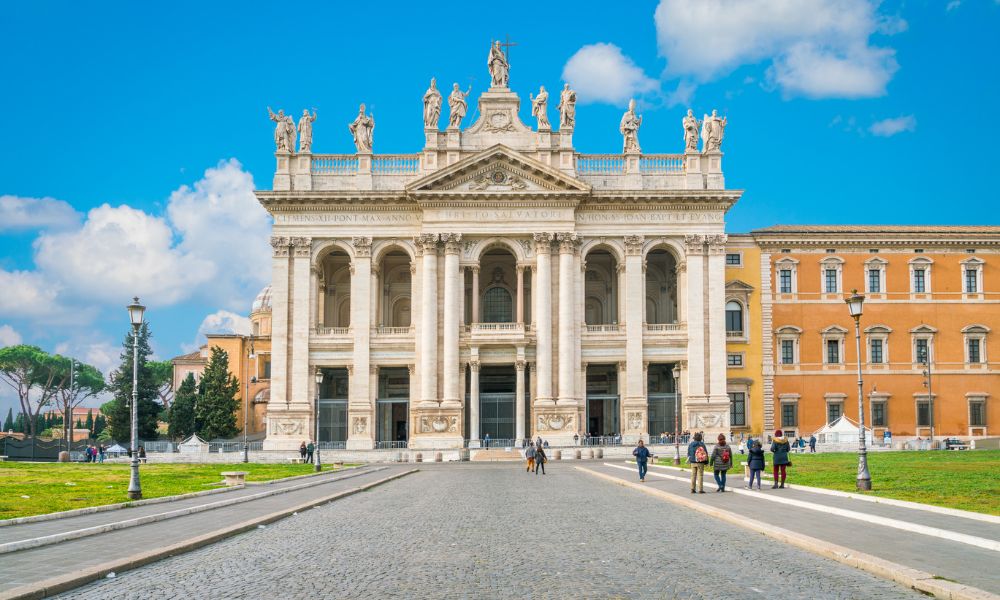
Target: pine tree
{"points": [[89, 423], [182, 409], [8, 423], [100, 424], [118, 410], [215, 411]]}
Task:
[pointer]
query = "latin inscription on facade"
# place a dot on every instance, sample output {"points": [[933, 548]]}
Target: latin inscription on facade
{"points": [[372, 218], [649, 217]]}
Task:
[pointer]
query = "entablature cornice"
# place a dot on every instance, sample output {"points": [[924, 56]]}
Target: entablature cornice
{"points": [[864, 243]]}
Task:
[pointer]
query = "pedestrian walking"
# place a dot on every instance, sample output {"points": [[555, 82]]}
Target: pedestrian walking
{"points": [[721, 461], [697, 458], [642, 456], [780, 460], [101, 453], [486, 440], [529, 453], [540, 459], [756, 464], [310, 449], [302, 451], [812, 443]]}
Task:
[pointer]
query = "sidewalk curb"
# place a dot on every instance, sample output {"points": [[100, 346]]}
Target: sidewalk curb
{"points": [[69, 581], [75, 534], [76, 512], [909, 577], [941, 510]]}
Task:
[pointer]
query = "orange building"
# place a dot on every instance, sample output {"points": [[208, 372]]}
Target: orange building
{"points": [[249, 358], [932, 305]]}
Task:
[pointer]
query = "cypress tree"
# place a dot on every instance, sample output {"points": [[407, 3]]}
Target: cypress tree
{"points": [[118, 410], [8, 423], [215, 410], [89, 423], [182, 409]]}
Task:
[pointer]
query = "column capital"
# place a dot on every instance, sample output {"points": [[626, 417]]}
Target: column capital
{"points": [[279, 245], [520, 364], [362, 246], [302, 246], [413, 268], [426, 242], [350, 369], [694, 244], [568, 242], [474, 365], [543, 242], [411, 369], [633, 245], [452, 242], [716, 243], [473, 268]]}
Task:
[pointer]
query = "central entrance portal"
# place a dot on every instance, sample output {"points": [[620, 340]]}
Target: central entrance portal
{"points": [[333, 409], [663, 401], [392, 408], [602, 401], [497, 388]]}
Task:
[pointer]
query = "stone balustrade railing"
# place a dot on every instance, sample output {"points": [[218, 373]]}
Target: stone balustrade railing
{"points": [[496, 328], [663, 327], [333, 330], [390, 330], [605, 328], [350, 164], [396, 164], [661, 164], [600, 164], [334, 164]]}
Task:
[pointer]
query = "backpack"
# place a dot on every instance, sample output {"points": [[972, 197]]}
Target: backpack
{"points": [[726, 456], [700, 454]]}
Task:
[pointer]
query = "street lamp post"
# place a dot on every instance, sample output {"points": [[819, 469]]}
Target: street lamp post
{"points": [[854, 306], [677, 404], [135, 311], [930, 393], [317, 465], [246, 402]]}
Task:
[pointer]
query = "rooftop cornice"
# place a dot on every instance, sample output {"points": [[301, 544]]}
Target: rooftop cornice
{"points": [[887, 240]]}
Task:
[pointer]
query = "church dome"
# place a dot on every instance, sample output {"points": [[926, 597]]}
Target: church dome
{"points": [[262, 303]]}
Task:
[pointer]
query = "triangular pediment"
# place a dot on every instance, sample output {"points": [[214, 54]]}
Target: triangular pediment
{"points": [[738, 286], [499, 170]]}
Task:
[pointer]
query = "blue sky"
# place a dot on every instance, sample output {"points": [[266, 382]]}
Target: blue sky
{"points": [[136, 134]]}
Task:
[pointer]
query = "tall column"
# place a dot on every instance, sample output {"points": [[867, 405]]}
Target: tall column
{"points": [[474, 403], [376, 294], [519, 366], [635, 299], [360, 408], [314, 305], [299, 338], [715, 291], [428, 320], [280, 394], [697, 377], [520, 293], [475, 294], [543, 317], [567, 322], [450, 365]]}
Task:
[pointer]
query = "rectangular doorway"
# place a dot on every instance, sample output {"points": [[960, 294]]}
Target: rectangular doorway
{"points": [[333, 409], [602, 401], [662, 401], [392, 408], [497, 410]]}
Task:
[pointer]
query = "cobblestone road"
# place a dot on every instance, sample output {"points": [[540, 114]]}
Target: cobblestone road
{"points": [[493, 531]]}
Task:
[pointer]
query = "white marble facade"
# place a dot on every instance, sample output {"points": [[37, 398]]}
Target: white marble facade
{"points": [[507, 284]]}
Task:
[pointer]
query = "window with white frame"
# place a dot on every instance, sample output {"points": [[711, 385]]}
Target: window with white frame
{"points": [[734, 259], [878, 344], [923, 412], [920, 275], [875, 275], [832, 269], [834, 410], [923, 344], [880, 413], [972, 276], [788, 344], [833, 345], [734, 359], [977, 411], [734, 319], [789, 410], [785, 273], [975, 343]]}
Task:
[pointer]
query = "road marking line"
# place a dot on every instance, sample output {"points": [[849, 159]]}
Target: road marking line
{"points": [[907, 576], [945, 534], [941, 510]]}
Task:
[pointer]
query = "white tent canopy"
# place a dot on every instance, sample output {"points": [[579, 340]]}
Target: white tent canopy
{"points": [[115, 450], [842, 431]]}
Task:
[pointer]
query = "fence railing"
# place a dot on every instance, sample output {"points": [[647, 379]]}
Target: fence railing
{"points": [[734, 334], [333, 330], [601, 440], [661, 164], [600, 164], [495, 327], [660, 327], [605, 328], [390, 330], [334, 164], [386, 444], [396, 164], [332, 445], [494, 443]]}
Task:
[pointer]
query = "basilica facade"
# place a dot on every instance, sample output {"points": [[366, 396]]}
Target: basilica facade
{"points": [[497, 283]]}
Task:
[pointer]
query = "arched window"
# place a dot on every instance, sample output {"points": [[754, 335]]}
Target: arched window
{"points": [[734, 317], [497, 305]]}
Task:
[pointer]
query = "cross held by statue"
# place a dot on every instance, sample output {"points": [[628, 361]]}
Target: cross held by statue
{"points": [[506, 47]]}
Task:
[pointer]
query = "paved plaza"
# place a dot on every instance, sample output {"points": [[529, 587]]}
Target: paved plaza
{"points": [[494, 531]]}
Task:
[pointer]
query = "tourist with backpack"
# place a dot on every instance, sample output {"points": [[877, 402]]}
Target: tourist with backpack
{"points": [[529, 454], [721, 461], [697, 458], [540, 459], [780, 448], [756, 464]]}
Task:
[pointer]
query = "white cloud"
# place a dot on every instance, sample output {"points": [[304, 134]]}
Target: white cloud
{"points": [[9, 337], [212, 244], [814, 48], [35, 213], [219, 322], [601, 73], [103, 355], [890, 127], [27, 294]]}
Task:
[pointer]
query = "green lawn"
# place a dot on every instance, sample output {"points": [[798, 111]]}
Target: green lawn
{"points": [[968, 480], [38, 488]]}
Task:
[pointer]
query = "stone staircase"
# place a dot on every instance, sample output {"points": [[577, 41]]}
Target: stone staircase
{"points": [[496, 454]]}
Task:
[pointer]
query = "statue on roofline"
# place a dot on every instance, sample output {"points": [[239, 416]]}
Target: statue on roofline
{"points": [[712, 130], [539, 108], [284, 131], [629, 128], [306, 131], [690, 124], [432, 106], [458, 106], [363, 128], [498, 65], [567, 108]]}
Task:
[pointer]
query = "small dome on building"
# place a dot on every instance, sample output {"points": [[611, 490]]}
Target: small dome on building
{"points": [[262, 303]]}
